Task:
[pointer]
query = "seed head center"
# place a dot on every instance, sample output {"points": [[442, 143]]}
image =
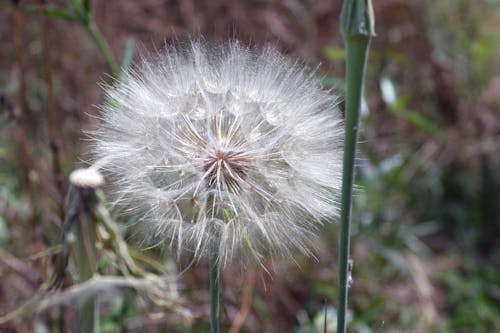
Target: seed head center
{"points": [[226, 169]]}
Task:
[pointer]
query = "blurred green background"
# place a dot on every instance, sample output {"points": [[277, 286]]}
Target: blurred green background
{"points": [[425, 247]]}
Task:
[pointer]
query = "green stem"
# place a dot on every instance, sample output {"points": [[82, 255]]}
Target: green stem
{"points": [[104, 47], [214, 295], [357, 24], [356, 52]]}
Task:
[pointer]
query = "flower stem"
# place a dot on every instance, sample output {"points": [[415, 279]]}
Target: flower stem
{"points": [[214, 294], [357, 27], [86, 255]]}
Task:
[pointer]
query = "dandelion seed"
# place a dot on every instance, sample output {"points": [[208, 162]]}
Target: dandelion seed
{"points": [[223, 149]]}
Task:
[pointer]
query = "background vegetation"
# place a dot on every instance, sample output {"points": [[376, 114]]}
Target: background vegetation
{"points": [[426, 224]]}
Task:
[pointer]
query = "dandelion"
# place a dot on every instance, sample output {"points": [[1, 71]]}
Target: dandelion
{"points": [[223, 149]]}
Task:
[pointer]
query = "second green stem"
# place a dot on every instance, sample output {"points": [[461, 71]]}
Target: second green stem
{"points": [[214, 295], [86, 258], [105, 48]]}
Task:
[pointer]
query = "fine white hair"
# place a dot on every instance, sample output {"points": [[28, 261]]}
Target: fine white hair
{"points": [[223, 150]]}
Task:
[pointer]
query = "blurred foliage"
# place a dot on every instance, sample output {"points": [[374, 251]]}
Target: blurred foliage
{"points": [[474, 294]]}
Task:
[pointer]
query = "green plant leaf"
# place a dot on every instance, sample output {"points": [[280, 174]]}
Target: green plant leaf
{"points": [[55, 12], [333, 53]]}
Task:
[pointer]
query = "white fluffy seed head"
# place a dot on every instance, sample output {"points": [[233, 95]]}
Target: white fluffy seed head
{"points": [[223, 150]]}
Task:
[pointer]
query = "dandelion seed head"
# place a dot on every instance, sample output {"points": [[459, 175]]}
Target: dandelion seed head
{"points": [[223, 149]]}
